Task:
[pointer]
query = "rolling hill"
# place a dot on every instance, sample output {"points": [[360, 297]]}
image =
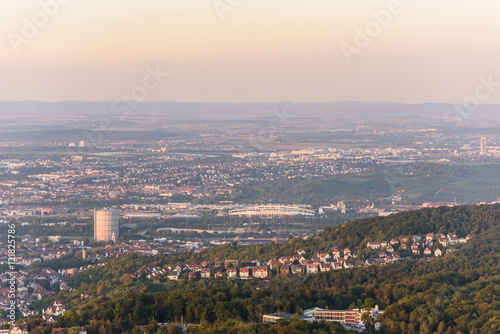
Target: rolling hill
{"points": [[457, 293]]}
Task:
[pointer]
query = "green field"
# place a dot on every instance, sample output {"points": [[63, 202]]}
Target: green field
{"points": [[468, 184], [428, 182]]}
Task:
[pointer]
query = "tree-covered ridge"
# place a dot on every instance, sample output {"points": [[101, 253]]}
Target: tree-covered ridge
{"points": [[457, 293], [461, 220]]}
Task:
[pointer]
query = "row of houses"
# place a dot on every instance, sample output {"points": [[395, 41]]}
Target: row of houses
{"points": [[430, 238], [297, 264], [242, 273]]}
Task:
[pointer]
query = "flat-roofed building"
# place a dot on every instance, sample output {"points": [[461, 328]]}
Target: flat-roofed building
{"points": [[271, 211], [351, 318]]}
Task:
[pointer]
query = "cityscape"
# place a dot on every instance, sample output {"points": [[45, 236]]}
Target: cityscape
{"points": [[249, 167]]}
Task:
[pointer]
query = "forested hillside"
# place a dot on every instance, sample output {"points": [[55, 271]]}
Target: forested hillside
{"points": [[457, 293]]}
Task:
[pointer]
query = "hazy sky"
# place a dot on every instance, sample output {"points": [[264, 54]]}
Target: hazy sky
{"points": [[250, 50]]}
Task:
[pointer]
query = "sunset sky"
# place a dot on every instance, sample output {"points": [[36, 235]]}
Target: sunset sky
{"points": [[260, 50]]}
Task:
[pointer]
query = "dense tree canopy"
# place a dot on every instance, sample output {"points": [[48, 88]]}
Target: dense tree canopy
{"points": [[458, 293]]}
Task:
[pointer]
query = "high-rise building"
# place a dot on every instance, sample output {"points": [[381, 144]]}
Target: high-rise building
{"points": [[106, 225], [483, 147]]}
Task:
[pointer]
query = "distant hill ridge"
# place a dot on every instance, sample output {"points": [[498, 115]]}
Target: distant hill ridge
{"points": [[187, 110]]}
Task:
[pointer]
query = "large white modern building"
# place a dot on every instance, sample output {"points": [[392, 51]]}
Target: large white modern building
{"points": [[270, 211], [350, 319], [106, 225]]}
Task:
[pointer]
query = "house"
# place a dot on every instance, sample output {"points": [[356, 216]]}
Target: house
{"points": [[348, 264], [382, 254], [394, 242], [30, 314], [180, 268], [59, 330], [205, 273], [173, 276], [469, 236], [347, 251], [427, 251], [297, 268], [429, 237], [404, 246], [54, 310], [245, 272], [49, 319], [232, 272], [404, 239], [312, 268], [260, 272], [301, 252], [19, 329], [389, 249], [438, 252], [384, 244], [396, 257], [337, 265], [324, 256], [325, 267], [373, 245], [218, 274], [444, 242], [196, 267], [316, 262], [192, 274], [417, 238], [359, 264], [273, 263], [370, 262]]}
